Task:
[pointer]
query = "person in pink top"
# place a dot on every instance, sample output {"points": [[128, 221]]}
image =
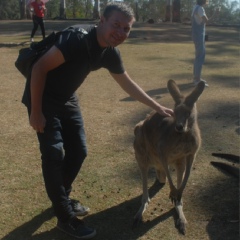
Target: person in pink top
{"points": [[38, 9]]}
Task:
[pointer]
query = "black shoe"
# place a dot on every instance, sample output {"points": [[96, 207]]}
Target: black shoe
{"points": [[78, 208], [77, 229]]}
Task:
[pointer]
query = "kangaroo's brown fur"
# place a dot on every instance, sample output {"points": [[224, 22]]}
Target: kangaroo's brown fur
{"points": [[163, 141]]}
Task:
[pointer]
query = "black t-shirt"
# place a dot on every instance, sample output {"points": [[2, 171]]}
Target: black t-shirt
{"points": [[82, 55]]}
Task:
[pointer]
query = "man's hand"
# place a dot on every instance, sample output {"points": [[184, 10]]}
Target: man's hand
{"points": [[38, 122], [166, 112]]}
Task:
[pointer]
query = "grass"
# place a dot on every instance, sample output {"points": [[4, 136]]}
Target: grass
{"points": [[109, 181]]}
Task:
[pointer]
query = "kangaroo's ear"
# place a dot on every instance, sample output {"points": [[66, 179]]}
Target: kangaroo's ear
{"points": [[174, 91], [194, 95]]}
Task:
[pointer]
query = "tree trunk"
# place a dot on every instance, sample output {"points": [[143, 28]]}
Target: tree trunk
{"points": [[173, 8], [176, 11], [23, 9], [96, 10], [136, 11], [168, 13], [62, 9]]}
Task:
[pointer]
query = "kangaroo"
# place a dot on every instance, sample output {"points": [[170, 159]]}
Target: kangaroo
{"points": [[163, 141]]}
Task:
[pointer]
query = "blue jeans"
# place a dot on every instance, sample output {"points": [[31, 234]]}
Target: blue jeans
{"points": [[199, 57], [63, 149], [198, 36]]}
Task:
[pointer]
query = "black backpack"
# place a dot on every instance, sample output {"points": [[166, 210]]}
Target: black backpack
{"points": [[28, 56]]}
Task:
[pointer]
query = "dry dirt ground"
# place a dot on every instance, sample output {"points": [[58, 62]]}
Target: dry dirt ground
{"points": [[109, 181]]}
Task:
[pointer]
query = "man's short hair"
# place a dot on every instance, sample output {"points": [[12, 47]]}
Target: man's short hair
{"points": [[119, 7]]}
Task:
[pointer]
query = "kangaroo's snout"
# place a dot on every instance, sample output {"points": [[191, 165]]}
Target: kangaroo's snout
{"points": [[180, 128]]}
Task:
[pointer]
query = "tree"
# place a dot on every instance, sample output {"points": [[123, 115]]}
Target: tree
{"points": [[9, 9], [144, 9], [52, 9], [173, 8], [89, 8], [62, 9], [96, 9], [176, 11], [23, 9], [148, 9], [79, 9]]}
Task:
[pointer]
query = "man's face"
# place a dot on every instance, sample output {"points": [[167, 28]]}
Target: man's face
{"points": [[115, 29]]}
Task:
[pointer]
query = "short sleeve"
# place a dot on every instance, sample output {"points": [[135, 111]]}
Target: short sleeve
{"points": [[201, 12], [71, 44], [114, 61]]}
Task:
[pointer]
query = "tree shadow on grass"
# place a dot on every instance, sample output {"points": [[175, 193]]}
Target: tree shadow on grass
{"points": [[112, 223], [223, 199]]}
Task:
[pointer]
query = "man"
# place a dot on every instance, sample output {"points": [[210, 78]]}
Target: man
{"points": [[54, 111], [199, 20], [38, 10]]}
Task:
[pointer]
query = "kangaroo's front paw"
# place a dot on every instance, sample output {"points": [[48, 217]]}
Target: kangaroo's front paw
{"points": [[173, 195]]}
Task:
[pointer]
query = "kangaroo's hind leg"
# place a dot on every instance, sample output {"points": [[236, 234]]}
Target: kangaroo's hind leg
{"points": [[181, 221], [184, 167], [145, 197]]}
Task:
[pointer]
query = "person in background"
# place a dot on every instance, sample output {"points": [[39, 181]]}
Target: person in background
{"points": [[54, 111], [199, 20], [38, 10]]}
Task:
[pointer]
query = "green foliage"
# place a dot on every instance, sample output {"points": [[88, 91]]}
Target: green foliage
{"points": [[79, 8], [156, 9], [229, 13], [52, 9], [147, 9], [144, 9], [9, 9]]}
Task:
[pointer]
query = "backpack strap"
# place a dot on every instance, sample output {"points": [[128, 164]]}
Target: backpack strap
{"points": [[76, 30]]}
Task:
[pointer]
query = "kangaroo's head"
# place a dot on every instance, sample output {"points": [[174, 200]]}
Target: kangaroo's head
{"points": [[185, 111]]}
